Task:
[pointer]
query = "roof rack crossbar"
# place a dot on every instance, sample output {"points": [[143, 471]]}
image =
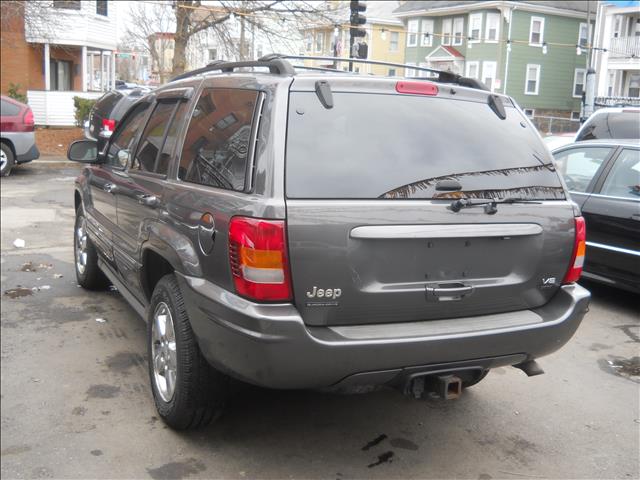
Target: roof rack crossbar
{"points": [[443, 76], [276, 65]]}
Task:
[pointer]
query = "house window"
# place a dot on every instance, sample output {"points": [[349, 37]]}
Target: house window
{"points": [[394, 40], [536, 31], [473, 69], [583, 35], [319, 41], [309, 42], [612, 84], [410, 72], [475, 27], [426, 37], [634, 85], [446, 31], [617, 26], [392, 72], [68, 4], [259, 51], [213, 54], [529, 112], [102, 7], [578, 82], [493, 27], [423, 73], [458, 30], [575, 115], [532, 81], [412, 33], [489, 74], [60, 75]]}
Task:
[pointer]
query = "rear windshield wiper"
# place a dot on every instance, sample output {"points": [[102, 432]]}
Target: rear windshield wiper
{"points": [[490, 204]]}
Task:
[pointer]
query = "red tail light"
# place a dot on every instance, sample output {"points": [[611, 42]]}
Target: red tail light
{"points": [[108, 125], [579, 248], [417, 88], [28, 120], [259, 261]]}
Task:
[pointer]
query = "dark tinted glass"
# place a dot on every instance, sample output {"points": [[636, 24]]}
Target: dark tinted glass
{"points": [[8, 109], [401, 146], [152, 137], [125, 135], [171, 139], [106, 103], [216, 146], [612, 125]]}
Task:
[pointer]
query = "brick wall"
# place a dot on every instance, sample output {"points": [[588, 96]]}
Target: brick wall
{"points": [[21, 63]]}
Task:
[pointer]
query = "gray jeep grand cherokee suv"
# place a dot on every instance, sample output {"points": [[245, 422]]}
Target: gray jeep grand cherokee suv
{"points": [[329, 230]]}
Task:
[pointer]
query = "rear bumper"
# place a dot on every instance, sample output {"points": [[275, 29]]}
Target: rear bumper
{"points": [[24, 145], [269, 345]]}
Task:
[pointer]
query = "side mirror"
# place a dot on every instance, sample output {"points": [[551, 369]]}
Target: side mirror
{"points": [[84, 151], [123, 157]]}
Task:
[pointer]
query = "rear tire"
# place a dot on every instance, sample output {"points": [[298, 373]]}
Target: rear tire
{"points": [[187, 391], [88, 274], [7, 160]]}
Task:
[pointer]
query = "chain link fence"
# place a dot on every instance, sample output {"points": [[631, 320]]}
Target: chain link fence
{"points": [[548, 125]]}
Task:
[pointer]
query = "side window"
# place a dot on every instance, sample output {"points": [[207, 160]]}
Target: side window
{"points": [[151, 140], [578, 166], [171, 139], [216, 146], [624, 178], [122, 140]]}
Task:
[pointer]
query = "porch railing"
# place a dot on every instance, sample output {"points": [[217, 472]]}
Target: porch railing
{"points": [[625, 47], [53, 108]]}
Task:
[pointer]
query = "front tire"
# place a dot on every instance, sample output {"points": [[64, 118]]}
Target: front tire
{"points": [[7, 160], [88, 274], [187, 391]]}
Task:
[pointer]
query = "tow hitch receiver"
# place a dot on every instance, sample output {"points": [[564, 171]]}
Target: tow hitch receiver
{"points": [[447, 387]]}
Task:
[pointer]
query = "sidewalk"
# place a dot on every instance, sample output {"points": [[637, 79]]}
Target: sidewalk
{"points": [[53, 161]]}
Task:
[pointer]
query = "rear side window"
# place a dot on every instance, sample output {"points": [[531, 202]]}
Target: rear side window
{"points": [[152, 138], [8, 109], [611, 125], [216, 146], [400, 146], [624, 178], [107, 102]]}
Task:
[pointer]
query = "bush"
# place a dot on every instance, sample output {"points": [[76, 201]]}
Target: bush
{"points": [[83, 107], [14, 92]]}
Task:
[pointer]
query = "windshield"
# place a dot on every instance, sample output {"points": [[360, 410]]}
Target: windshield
{"points": [[611, 125], [400, 146]]}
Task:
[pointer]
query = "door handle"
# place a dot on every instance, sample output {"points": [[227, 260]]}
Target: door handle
{"points": [[148, 200], [448, 291], [109, 187]]}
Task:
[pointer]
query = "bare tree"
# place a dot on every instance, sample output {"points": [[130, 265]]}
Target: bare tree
{"points": [[150, 29], [267, 17]]}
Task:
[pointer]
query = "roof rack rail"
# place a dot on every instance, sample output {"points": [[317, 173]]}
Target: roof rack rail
{"points": [[276, 65], [443, 76]]}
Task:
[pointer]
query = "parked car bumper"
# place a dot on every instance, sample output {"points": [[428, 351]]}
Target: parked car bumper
{"points": [[269, 344], [24, 145]]}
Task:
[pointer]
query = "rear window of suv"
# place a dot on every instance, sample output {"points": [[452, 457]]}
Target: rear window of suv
{"points": [[399, 146], [617, 125]]}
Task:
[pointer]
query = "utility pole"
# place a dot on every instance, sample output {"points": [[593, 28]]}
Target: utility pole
{"points": [[356, 19]]}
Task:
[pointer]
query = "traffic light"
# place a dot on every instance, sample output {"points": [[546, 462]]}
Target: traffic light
{"points": [[357, 18]]}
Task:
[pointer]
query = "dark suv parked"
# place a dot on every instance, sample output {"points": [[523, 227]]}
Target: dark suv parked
{"points": [[314, 230]]}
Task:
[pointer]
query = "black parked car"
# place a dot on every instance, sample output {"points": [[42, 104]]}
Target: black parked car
{"points": [[604, 179], [108, 111]]}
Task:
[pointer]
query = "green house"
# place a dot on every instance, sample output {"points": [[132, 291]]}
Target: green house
{"points": [[534, 51]]}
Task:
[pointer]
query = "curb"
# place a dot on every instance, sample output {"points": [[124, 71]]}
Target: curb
{"points": [[53, 164]]}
